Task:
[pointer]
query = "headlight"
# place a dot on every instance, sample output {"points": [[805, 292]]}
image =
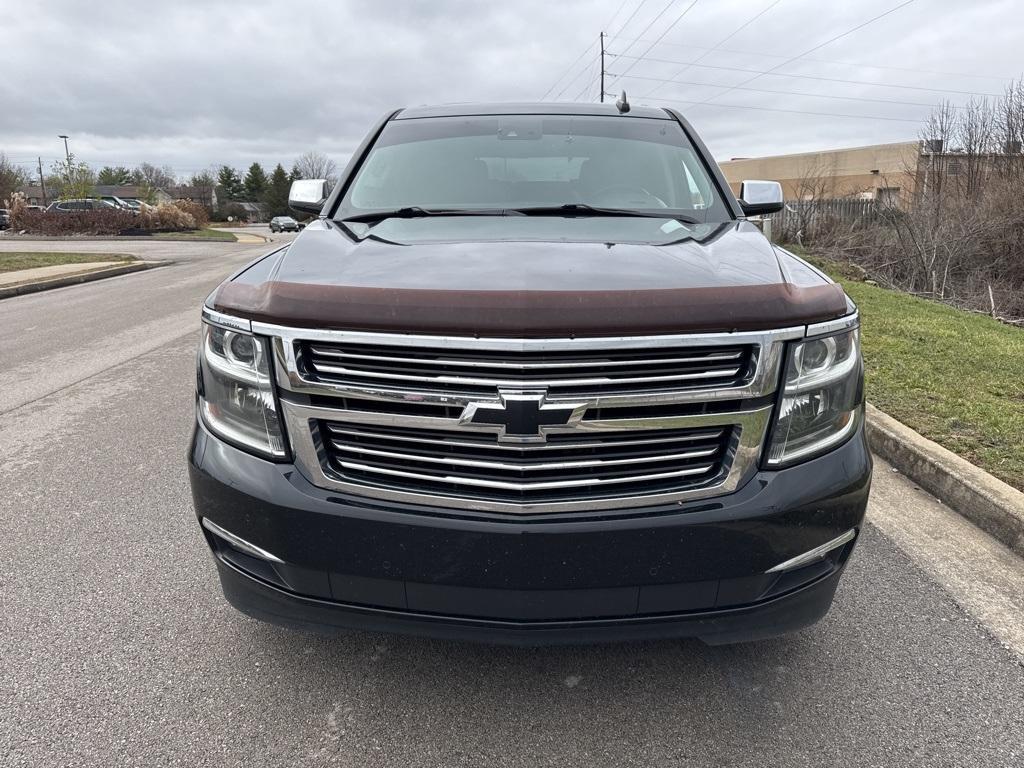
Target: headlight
{"points": [[236, 396], [822, 398]]}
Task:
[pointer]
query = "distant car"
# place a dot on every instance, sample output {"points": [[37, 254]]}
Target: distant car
{"points": [[284, 224], [72, 206], [5, 218]]}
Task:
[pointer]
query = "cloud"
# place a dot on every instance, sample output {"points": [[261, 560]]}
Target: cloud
{"points": [[192, 84]]}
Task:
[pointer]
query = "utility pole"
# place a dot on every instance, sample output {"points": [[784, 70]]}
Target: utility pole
{"points": [[602, 67], [42, 181]]}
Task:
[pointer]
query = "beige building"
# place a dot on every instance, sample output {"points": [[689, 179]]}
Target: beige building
{"points": [[873, 172]]}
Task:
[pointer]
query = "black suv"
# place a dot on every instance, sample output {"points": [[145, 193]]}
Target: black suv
{"points": [[531, 377]]}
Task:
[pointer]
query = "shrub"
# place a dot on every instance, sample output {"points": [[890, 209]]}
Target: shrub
{"points": [[103, 222], [165, 216], [196, 210]]}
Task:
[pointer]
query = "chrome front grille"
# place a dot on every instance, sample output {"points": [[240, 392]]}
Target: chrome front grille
{"points": [[569, 372], [566, 466], [527, 426]]}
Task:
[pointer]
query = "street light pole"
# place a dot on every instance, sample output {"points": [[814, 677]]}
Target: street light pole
{"points": [[67, 153]]}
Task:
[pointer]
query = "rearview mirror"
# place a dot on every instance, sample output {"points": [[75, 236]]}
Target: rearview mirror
{"points": [[760, 197], [308, 195]]}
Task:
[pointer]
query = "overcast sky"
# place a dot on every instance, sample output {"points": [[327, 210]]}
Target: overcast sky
{"points": [[195, 84]]}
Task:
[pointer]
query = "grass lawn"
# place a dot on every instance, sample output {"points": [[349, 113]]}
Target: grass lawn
{"points": [[214, 234], [956, 377], [13, 261]]}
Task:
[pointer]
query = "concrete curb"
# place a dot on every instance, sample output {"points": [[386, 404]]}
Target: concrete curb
{"points": [[84, 277], [113, 239], [988, 502]]}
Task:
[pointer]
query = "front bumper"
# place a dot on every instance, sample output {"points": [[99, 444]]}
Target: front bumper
{"points": [[690, 569]]}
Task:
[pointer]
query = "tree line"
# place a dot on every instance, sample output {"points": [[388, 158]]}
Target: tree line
{"points": [[71, 178]]}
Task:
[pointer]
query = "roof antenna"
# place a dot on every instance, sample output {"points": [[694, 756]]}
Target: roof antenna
{"points": [[622, 103]]}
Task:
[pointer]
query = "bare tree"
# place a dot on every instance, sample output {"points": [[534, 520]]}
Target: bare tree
{"points": [[961, 237], [316, 165], [147, 175], [974, 133]]}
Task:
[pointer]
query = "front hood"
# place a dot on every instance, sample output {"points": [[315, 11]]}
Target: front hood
{"points": [[723, 277]]}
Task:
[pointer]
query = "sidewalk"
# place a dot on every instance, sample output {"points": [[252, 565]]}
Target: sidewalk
{"points": [[24, 281], [36, 274]]}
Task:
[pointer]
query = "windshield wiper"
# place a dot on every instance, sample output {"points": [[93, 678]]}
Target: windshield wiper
{"points": [[590, 210], [415, 212]]}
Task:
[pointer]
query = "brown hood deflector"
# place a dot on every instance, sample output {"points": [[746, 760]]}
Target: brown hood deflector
{"points": [[537, 313]]}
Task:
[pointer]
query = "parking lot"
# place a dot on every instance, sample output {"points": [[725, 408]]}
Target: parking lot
{"points": [[118, 648]]}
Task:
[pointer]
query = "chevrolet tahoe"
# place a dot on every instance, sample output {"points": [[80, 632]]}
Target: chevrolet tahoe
{"points": [[531, 376]]}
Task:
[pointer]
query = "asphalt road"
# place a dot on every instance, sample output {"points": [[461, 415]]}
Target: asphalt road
{"points": [[116, 647]]}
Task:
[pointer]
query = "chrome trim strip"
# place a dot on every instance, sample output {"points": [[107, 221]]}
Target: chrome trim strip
{"points": [[527, 344], [833, 326], [524, 383], [239, 543], [741, 457], [226, 321], [814, 554]]}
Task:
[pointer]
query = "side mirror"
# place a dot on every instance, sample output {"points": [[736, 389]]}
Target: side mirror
{"points": [[760, 197], [308, 195]]}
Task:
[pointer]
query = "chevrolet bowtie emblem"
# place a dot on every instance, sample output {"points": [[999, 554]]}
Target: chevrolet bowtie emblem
{"points": [[523, 416]]}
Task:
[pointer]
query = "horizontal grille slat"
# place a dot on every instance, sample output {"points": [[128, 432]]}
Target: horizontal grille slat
{"points": [[525, 487], [569, 373], [527, 467], [453, 440], [385, 359]]}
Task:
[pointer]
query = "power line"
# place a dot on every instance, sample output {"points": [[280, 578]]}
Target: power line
{"points": [[627, 21], [653, 21], [728, 37], [586, 85], [569, 69], [608, 24], [568, 85], [763, 55], [804, 77], [662, 81], [801, 112], [660, 37], [832, 39]]}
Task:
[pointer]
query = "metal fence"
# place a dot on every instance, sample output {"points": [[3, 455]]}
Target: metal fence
{"points": [[804, 219]]}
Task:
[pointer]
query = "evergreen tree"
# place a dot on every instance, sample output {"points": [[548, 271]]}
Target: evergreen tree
{"points": [[255, 183], [112, 176], [275, 197], [229, 183]]}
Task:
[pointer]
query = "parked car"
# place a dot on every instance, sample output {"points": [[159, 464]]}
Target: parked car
{"points": [[284, 224], [531, 376], [5, 218], [82, 204], [118, 202]]}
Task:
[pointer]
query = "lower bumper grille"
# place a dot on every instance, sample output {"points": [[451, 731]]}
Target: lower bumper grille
{"points": [[567, 466]]}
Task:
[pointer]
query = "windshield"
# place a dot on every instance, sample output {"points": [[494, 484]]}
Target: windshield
{"points": [[534, 161]]}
